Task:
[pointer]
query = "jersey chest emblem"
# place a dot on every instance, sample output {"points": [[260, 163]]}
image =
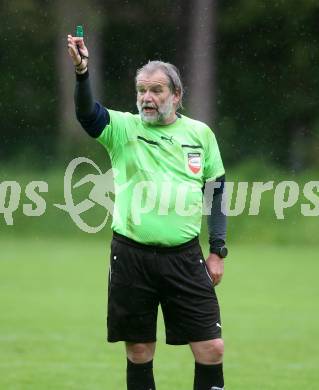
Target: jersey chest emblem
{"points": [[194, 162]]}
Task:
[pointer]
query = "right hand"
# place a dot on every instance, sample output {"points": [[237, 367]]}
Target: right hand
{"points": [[215, 268], [79, 53]]}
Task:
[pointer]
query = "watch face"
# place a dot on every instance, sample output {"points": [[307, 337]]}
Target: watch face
{"points": [[223, 252]]}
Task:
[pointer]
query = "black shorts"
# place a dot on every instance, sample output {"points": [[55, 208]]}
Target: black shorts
{"points": [[141, 277]]}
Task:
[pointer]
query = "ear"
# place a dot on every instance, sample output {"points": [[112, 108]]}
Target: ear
{"points": [[176, 98]]}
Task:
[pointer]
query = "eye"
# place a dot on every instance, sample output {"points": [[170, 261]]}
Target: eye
{"points": [[140, 91]]}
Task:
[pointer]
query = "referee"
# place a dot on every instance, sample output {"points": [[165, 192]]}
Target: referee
{"points": [[165, 159]]}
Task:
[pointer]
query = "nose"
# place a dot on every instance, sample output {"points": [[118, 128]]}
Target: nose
{"points": [[147, 96]]}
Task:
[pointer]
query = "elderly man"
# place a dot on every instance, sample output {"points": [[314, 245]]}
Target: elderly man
{"points": [[164, 159]]}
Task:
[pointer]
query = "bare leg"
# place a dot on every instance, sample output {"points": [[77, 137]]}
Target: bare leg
{"points": [[140, 366], [208, 364]]}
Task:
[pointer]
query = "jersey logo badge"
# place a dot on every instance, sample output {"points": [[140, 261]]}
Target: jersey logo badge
{"points": [[194, 162]]}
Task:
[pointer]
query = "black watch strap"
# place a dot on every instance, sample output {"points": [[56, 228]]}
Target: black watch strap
{"points": [[221, 251]]}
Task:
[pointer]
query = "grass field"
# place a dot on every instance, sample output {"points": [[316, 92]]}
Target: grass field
{"points": [[52, 320]]}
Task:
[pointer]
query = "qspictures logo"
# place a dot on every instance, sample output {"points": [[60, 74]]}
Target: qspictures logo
{"points": [[100, 194], [147, 197]]}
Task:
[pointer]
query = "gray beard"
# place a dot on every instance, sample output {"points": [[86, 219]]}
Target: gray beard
{"points": [[163, 112]]}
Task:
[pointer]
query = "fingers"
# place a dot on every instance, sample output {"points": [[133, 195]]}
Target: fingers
{"points": [[77, 41], [78, 44], [217, 275], [72, 51], [215, 267], [217, 279], [74, 54], [71, 43], [214, 275], [78, 52]]}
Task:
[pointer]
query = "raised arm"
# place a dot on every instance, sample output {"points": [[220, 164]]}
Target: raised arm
{"points": [[90, 113]]}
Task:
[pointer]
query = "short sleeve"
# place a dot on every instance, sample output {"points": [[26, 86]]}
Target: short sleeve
{"points": [[114, 134], [214, 166]]}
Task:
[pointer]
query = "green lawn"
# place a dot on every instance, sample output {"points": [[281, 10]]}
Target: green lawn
{"points": [[52, 320]]}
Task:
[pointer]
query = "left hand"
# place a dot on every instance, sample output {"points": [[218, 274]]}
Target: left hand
{"points": [[215, 267]]}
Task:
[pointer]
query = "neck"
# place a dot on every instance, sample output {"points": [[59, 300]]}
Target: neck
{"points": [[171, 119]]}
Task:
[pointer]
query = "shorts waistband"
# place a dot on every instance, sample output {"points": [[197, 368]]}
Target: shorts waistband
{"points": [[154, 248]]}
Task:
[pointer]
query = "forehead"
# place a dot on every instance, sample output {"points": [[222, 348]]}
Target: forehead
{"points": [[155, 78]]}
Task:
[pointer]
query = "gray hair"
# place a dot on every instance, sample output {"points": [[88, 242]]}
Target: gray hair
{"points": [[172, 73]]}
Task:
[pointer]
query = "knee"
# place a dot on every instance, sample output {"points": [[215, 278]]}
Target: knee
{"points": [[209, 352], [139, 353], [217, 349]]}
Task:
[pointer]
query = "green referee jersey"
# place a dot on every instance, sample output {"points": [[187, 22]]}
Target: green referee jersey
{"points": [[159, 173]]}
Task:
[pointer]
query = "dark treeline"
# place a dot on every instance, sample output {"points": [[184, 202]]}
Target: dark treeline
{"points": [[250, 69]]}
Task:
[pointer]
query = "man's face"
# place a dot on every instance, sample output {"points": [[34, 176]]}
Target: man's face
{"points": [[155, 101]]}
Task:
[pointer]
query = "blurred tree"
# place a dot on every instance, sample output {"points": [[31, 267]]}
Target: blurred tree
{"points": [[28, 80], [268, 78], [70, 14], [138, 31], [201, 56], [266, 58]]}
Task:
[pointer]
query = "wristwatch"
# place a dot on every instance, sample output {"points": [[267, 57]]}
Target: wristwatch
{"points": [[221, 251]]}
